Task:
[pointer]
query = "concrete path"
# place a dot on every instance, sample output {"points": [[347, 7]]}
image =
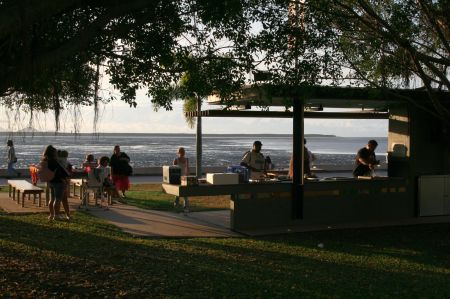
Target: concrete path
{"points": [[151, 223], [139, 222]]}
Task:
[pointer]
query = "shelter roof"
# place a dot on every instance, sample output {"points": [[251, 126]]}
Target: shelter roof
{"points": [[323, 96]]}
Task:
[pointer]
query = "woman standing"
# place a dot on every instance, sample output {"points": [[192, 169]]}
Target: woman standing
{"points": [[62, 156], [120, 170], [58, 185], [12, 159], [183, 163]]}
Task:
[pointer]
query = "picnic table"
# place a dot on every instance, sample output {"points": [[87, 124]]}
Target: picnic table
{"points": [[24, 187]]}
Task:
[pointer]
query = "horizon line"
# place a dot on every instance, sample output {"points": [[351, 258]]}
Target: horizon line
{"points": [[190, 134]]}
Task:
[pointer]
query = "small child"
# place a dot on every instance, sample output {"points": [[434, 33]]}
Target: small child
{"points": [[89, 163], [183, 162], [108, 185]]}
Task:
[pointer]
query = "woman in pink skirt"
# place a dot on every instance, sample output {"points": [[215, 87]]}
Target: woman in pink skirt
{"points": [[120, 170]]}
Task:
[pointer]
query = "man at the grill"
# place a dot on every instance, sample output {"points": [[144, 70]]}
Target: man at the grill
{"points": [[254, 160]]}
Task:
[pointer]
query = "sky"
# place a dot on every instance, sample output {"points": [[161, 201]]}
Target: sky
{"points": [[118, 117]]}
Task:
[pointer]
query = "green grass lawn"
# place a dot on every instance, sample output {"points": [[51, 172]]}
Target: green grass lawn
{"points": [[151, 196], [90, 258]]}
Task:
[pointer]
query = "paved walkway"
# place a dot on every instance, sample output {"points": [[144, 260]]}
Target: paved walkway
{"points": [[153, 223], [139, 222]]}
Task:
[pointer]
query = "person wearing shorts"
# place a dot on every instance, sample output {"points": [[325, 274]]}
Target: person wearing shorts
{"points": [[58, 184]]}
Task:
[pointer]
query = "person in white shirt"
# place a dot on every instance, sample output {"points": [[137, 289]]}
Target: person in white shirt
{"points": [[183, 163], [108, 184], [254, 160]]}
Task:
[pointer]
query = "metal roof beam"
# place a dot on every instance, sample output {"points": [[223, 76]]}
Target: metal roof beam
{"points": [[288, 114]]}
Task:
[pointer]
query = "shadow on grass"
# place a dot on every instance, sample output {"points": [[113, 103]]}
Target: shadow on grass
{"points": [[91, 258], [426, 244]]}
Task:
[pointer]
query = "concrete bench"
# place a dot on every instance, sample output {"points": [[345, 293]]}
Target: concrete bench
{"points": [[24, 187]]}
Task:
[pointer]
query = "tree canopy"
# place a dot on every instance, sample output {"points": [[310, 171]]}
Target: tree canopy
{"points": [[396, 44], [53, 53], [387, 44]]}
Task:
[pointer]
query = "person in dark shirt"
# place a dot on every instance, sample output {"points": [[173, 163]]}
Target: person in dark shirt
{"points": [[120, 169], [12, 159], [365, 160], [62, 156], [58, 184], [308, 157]]}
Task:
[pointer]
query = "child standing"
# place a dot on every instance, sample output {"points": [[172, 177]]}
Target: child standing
{"points": [[183, 163], [108, 185]]}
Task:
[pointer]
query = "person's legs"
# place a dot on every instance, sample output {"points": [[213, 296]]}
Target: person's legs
{"points": [[122, 183], [105, 199], [186, 204], [51, 209], [57, 207], [11, 171], [51, 203], [125, 185], [59, 191], [65, 203]]}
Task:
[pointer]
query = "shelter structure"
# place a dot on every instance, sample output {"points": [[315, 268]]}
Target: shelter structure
{"points": [[418, 181]]}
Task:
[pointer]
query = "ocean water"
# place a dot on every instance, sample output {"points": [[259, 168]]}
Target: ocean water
{"points": [[147, 150]]}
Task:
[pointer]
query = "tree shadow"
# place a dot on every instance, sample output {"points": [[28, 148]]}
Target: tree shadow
{"points": [[92, 258]]}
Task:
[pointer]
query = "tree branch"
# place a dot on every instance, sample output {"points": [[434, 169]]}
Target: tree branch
{"points": [[434, 25]]}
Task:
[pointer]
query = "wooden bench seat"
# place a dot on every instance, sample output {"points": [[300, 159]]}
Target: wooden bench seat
{"points": [[24, 187]]}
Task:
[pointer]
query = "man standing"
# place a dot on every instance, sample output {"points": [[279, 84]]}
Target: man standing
{"points": [[254, 160], [365, 160], [12, 159], [308, 157]]}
